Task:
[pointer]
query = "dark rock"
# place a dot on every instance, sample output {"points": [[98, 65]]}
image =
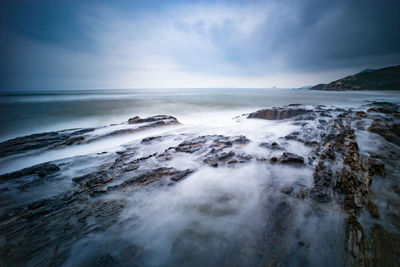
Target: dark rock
{"points": [[241, 140], [311, 143], [292, 136], [302, 194], [180, 175], [372, 209], [376, 167], [41, 170], [273, 146], [92, 179], [287, 190], [41, 141], [273, 160], [386, 129], [192, 146], [279, 113], [355, 243], [360, 114], [148, 139], [396, 189], [169, 119], [224, 156], [214, 142], [51, 140], [290, 158], [383, 110], [385, 247]]}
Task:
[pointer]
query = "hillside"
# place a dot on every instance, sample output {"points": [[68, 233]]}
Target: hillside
{"points": [[381, 79]]}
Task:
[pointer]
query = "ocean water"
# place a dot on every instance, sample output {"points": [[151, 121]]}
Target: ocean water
{"points": [[25, 113], [213, 217]]}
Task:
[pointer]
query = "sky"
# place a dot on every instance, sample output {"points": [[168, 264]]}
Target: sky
{"points": [[67, 44]]}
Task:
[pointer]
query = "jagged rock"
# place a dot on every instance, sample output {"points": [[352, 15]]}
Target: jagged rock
{"points": [[193, 145], [279, 113], [215, 142], [292, 136], [388, 130], [355, 243], [41, 170], [376, 167], [383, 110], [273, 146], [148, 139], [49, 224], [168, 119], [51, 140], [41, 141], [360, 114], [92, 179], [321, 191], [290, 158]]}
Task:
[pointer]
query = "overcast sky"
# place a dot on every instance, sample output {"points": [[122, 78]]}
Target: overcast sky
{"points": [[51, 45]]}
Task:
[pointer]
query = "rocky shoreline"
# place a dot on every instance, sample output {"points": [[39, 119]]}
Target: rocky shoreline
{"points": [[360, 183]]}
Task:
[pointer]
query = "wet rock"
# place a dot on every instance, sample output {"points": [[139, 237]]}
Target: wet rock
{"points": [[180, 175], [152, 176], [376, 167], [292, 136], [355, 243], [279, 113], [372, 209], [277, 224], [49, 228], [385, 247], [301, 243], [387, 129], [41, 170], [273, 146], [306, 117], [287, 190], [92, 180], [396, 189], [311, 143], [168, 119], [302, 194], [273, 160], [360, 114], [214, 142], [383, 110], [289, 158], [51, 140], [241, 140], [41, 141], [193, 145], [149, 139]]}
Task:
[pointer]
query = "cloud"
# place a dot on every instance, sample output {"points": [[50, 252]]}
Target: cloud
{"points": [[200, 44]]}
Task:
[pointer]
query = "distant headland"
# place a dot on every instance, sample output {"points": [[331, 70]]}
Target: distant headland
{"points": [[381, 79]]}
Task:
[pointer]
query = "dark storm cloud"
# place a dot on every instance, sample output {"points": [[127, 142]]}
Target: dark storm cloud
{"points": [[73, 44]]}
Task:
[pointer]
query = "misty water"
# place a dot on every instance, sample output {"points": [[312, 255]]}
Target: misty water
{"points": [[29, 112], [215, 216]]}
